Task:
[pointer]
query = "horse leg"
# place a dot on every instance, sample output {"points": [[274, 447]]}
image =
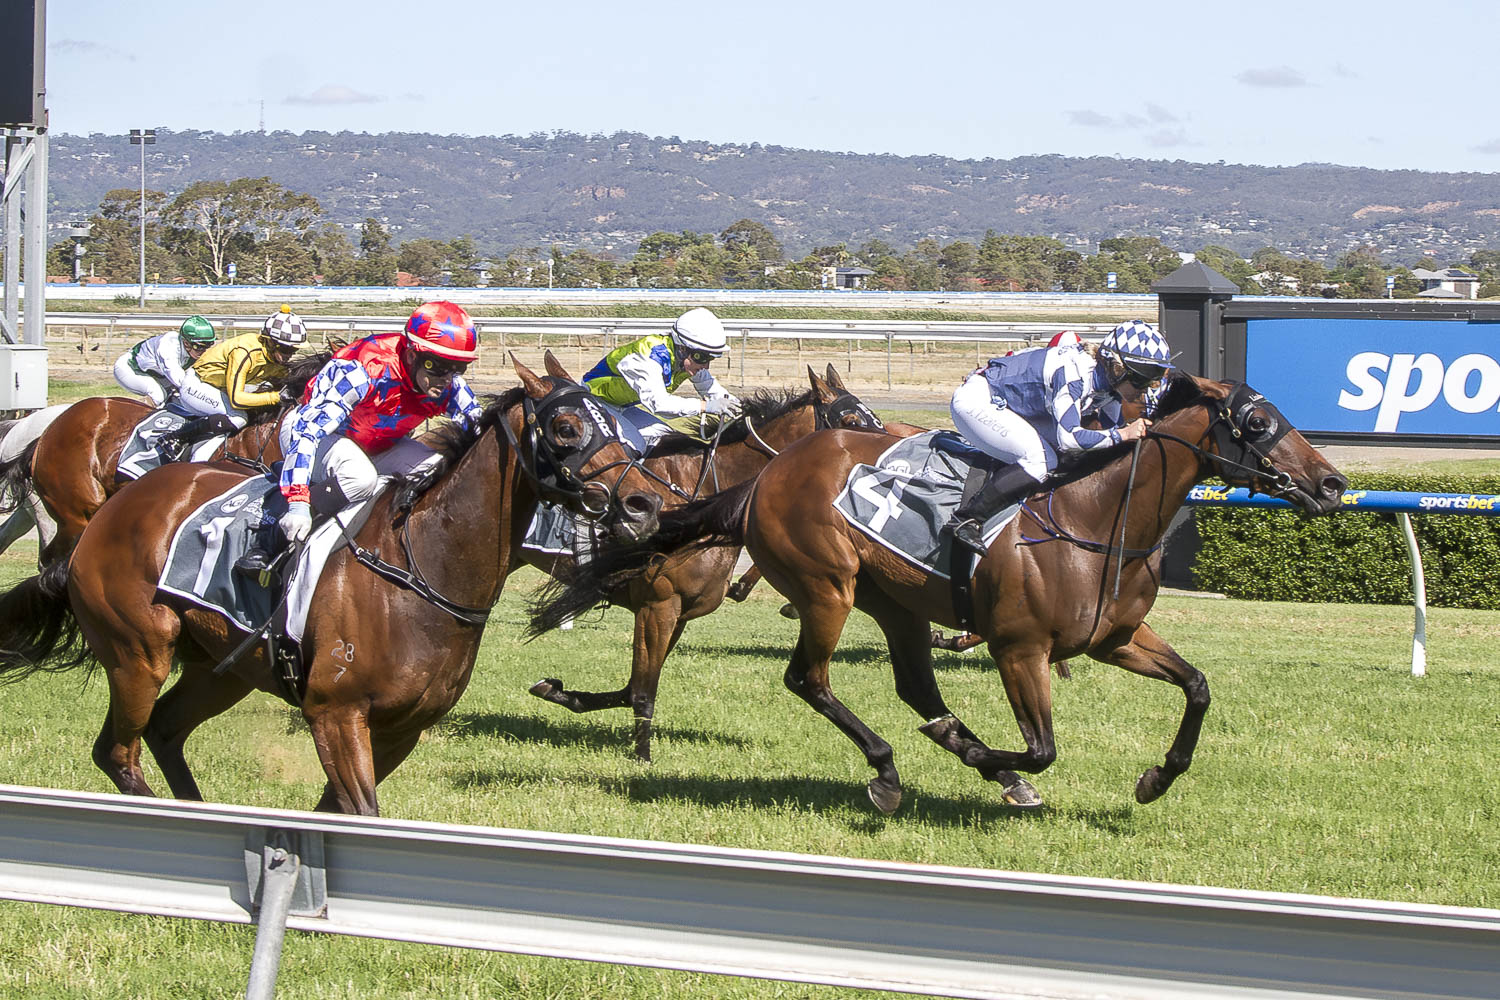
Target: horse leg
{"points": [[1149, 655], [822, 617], [916, 685], [197, 696], [135, 679], [741, 588], [342, 738]]}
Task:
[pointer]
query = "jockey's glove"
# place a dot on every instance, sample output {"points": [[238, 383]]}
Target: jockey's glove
{"points": [[729, 406], [296, 523]]}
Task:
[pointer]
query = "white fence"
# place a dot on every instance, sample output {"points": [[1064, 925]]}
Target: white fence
{"points": [[877, 925]]}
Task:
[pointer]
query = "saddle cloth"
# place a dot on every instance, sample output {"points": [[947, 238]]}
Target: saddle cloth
{"points": [[142, 453], [200, 563], [904, 501], [556, 531]]}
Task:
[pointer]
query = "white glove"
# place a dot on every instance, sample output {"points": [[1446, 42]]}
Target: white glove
{"points": [[296, 523], [729, 406]]}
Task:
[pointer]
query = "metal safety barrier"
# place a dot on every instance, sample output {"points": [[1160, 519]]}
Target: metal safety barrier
{"points": [[1403, 505], [872, 924]]}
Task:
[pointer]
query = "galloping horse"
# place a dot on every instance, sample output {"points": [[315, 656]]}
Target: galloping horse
{"points": [[383, 662], [1044, 592], [71, 466], [693, 584]]}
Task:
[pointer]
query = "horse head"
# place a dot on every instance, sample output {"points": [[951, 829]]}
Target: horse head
{"points": [[1252, 444], [578, 457], [836, 408]]}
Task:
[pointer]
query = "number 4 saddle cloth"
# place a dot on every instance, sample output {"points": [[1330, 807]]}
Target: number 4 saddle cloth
{"points": [[909, 495]]}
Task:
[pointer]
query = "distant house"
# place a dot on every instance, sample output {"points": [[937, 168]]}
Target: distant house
{"points": [[405, 279], [846, 277], [483, 270], [1449, 283]]}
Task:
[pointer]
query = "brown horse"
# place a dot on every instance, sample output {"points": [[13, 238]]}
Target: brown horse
{"points": [[1044, 592], [70, 469], [383, 663], [692, 584]]}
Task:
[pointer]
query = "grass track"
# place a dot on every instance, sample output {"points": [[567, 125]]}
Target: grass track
{"points": [[1324, 768]]}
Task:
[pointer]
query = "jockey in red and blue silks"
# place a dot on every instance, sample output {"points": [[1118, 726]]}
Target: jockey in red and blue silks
{"points": [[350, 431]]}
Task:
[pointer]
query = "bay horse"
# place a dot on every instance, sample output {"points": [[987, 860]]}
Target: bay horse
{"points": [[383, 662], [1044, 592], [692, 584], [70, 468]]}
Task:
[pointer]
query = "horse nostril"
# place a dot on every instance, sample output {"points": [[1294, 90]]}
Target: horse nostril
{"points": [[1333, 486], [641, 504]]}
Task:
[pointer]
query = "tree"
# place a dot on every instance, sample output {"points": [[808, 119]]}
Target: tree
{"points": [[211, 219], [114, 237], [377, 261], [424, 259], [333, 255], [754, 237]]}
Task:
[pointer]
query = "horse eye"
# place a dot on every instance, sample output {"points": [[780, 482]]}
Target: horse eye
{"points": [[1257, 423]]}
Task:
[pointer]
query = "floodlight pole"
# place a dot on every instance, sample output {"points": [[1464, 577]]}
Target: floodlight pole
{"points": [[143, 138]]}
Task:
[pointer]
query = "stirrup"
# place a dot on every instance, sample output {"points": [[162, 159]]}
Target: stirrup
{"points": [[254, 562], [970, 534]]}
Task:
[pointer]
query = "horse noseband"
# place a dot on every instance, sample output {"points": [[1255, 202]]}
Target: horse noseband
{"points": [[1233, 431], [832, 416]]}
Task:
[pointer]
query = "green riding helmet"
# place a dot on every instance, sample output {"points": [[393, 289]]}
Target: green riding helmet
{"points": [[197, 331]]}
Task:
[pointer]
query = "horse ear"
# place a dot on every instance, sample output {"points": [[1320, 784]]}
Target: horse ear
{"points": [[554, 366], [833, 379], [535, 387], [825, 394]]}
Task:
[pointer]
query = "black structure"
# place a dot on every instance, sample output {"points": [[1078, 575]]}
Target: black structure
{"points": [[22, 97]]}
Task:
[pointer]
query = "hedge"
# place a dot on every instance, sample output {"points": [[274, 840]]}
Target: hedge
{"points": [[1283, 555]]}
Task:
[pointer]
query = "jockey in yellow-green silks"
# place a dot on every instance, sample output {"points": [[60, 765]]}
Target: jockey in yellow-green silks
{"points": [[638, 380]]}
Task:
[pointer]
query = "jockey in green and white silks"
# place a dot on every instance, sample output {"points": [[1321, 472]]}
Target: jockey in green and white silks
{"points": [[638, 380]]}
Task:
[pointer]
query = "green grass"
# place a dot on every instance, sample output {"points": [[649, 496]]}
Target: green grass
{"points": [[1324, 767]]}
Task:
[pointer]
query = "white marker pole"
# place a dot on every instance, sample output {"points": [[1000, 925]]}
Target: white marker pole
{"points": [[1419, 599]]}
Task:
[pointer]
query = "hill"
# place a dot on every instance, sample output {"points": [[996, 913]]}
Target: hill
{"points": [[608, 192]]}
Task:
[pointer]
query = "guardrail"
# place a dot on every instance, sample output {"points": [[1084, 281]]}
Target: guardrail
{"points": [[798, 918], [1403, 505], [791, 298]]}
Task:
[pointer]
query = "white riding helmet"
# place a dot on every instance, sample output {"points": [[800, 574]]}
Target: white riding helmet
{"points": [[700, 330]]}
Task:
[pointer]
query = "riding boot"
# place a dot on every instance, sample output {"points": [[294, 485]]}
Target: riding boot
{"points": [[175, 445], [1002, 487], [257, 559]]}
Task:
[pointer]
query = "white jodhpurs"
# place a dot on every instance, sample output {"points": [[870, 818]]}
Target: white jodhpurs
{"points": [[361, 476], [996, 431], [639, 427], [200, 399], [145, 385]]}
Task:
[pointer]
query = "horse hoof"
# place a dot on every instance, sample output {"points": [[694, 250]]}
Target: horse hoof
{"points": [[787, 611], [546, 688], [885, 796], [1150, 786], [1021, 795]]}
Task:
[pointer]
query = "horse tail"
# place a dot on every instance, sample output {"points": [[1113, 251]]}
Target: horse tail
{"points": [[15, 480], [716, 520], [38, 633]]}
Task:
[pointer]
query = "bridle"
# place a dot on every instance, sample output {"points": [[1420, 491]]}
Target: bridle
{"points": [[1248, 425]]}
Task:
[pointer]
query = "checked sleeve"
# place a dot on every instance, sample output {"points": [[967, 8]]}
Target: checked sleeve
{"points": [[463, 407], [338, 388], [1067, 389]]}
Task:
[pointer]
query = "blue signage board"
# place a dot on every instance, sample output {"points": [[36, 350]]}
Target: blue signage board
{"points": [[1387, 501], [1407, 377]]}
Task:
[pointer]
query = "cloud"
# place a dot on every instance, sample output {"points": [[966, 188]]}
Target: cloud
{"points": [[1169, 137], [1090, 119], [1276, 76], [78, 47], [1159, 114], [1493, 146], [1339, 69], [334, 93]]}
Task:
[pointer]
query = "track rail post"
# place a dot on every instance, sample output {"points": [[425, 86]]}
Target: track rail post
{"points": [[285, 872]]}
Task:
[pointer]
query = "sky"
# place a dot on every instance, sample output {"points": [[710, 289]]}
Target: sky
{"points": [[1375, 83]]}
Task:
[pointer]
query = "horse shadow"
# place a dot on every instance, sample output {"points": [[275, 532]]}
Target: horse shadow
{"points": [[857, 654], [570, 732]]}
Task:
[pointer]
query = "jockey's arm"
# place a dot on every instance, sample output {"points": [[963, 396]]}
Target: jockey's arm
{"points": [[336, 391], [1066, 390], [463, 408], [707, 386], [169, 351], [237, 372], [643, 375]]}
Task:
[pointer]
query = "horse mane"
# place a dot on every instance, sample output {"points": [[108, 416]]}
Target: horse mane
{"points": [[1179, 393], [452, 441], [762, 406], [300, 372]]}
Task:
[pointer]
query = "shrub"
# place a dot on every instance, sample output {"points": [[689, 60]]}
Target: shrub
{"points": [[1276, 555]]}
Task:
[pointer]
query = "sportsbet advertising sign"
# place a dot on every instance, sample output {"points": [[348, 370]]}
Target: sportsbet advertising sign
{"points": [[1401, 377]]}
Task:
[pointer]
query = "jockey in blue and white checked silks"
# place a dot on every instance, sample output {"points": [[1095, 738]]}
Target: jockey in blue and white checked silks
{"points": [[1027, 410]]}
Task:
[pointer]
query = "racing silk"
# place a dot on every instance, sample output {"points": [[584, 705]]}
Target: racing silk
{"points": [[237, 366], [364, 393], [1052, 389], [645, 372], [162, 355]]}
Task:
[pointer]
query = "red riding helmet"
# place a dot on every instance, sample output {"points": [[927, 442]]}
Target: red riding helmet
{"points": [[444, 329]]}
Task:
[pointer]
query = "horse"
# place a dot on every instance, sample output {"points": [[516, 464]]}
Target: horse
{"points": [[1076, 572], [682, 588], [384, 661], [70, 467]]}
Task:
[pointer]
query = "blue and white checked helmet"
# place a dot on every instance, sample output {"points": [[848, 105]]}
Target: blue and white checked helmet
{"points": [[1140, 348]]}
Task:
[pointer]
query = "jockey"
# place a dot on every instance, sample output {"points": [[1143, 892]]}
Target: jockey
{"points": [[350, 431], [638, 379], [155, 367], [232, 377], [1027, 410]]}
